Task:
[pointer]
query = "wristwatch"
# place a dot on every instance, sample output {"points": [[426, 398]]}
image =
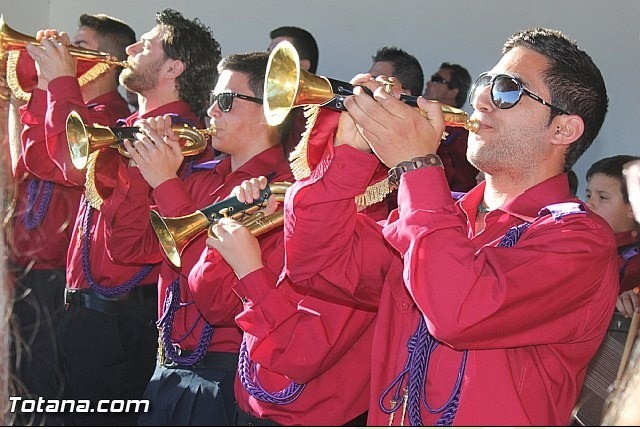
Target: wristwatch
{"points": [[430, 160]]}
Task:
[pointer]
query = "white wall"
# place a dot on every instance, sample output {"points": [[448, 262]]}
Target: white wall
{"points": [[469, 32]]}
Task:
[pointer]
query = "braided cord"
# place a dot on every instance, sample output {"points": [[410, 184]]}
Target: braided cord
{"points": [[86, 267], [36, 188]]}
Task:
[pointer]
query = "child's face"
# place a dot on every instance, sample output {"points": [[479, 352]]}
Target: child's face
{"points": [[604, 196]]}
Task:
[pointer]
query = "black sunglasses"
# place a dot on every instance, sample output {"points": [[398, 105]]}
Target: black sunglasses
{"points": [[506, 91], [439, 79], [225, 99]]}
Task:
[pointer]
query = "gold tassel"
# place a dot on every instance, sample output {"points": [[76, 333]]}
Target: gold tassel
{"points": [[90, 189], [93, 73], [374, 194], [405, 401], [299, 163], [12, 77], [392, 404]]}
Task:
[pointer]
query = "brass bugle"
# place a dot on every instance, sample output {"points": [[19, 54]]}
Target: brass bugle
{"points": [[84, 139], [286, 86], [11, 39], [174, 233]]}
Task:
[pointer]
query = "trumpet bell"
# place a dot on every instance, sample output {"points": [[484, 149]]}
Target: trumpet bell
{"points": [[84, 139], [175, 233], [286, 85]]}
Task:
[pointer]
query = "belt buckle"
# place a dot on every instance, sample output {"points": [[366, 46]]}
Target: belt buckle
{"points": [[69, 297]]}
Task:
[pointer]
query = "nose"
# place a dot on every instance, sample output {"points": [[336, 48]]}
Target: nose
{"points": [[133, 48], [482, 99], [589, 203], [214, 111]]}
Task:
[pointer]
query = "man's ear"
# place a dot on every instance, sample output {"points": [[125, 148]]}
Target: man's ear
{"points": [[174, 68], [305, 64], [567, 129]]}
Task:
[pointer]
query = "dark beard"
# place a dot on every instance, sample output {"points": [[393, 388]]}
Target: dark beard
{"points": [[141, 80]]}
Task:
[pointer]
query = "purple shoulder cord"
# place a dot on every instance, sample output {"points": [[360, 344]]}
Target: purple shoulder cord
{"points": [[246, 372], [36, 188], [86, 268], [421, 346], [171, 306]]}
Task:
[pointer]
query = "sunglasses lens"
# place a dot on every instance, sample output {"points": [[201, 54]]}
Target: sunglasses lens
{"points": [[505, 92], [483, 80], [438, 79], [225, 100]]}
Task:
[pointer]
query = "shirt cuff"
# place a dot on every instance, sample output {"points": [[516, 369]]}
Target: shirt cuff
{"points": [[256, 285]]}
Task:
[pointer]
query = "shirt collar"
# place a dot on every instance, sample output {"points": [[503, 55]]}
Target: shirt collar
{"points": [[527, 204]]}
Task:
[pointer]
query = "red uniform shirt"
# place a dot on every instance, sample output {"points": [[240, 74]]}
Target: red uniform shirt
{"points": [[111, 176], [461, 175], [629, 259], [178, 198], [291, 335], [47, 243], [531, 316]]}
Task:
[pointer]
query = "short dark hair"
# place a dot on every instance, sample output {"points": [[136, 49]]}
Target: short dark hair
{"points": [[191, 42], [613, 167], [112, 34], [574, 81], [405, 67], [460, 79], [303, 41]]}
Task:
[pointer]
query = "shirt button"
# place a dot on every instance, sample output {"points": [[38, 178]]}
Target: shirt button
{"points": [[340, 164], [405, 305]]}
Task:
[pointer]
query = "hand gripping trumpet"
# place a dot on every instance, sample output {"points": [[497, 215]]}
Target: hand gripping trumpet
{"points": [[174, 233], [286, 86], [11, 39], [84, 139]]}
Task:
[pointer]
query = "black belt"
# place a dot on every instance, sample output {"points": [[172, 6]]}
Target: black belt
{"points": [[223, 361], [88, 298]]}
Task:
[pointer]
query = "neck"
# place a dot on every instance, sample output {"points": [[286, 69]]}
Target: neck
{"points": [[100, 86], [156, 98], [250, 150]]}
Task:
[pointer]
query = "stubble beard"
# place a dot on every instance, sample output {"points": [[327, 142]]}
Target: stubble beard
{"points": [[511, 152], [141, 80]]}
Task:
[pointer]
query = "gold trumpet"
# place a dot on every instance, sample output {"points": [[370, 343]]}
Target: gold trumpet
{"points": [[287, 86], [84, 139], [174, 233], [11, 39]]}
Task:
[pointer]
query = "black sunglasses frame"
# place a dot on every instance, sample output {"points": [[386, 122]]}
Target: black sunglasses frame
{"points": [[216, 97], [521, 90], [438, 79]]}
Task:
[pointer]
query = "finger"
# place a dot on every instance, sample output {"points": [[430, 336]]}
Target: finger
{"points": [[212, 243], [255, 188], [247, 192], [272, 205], [132, 151], [64, 38], [360, 79], [434, 114], [167, 129], [238, 192]]}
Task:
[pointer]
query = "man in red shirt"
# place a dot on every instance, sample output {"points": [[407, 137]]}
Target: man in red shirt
{"points": [[107, 335], [492, 306], [46, 204], [450, 85], [193, 380]]}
